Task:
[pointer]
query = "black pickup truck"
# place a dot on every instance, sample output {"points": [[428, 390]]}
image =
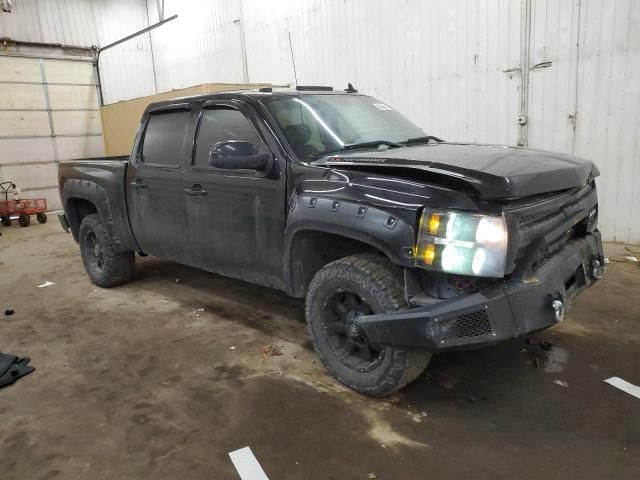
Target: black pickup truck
{"points": [[403, 244]]}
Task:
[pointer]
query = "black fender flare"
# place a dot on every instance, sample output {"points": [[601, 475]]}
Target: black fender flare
{"points": [[94, 193], [390, 232]]}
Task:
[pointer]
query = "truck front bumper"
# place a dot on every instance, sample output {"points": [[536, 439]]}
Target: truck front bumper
{"points": [[505, 310]]}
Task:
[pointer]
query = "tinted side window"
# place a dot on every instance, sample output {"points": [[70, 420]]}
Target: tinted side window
{"points": [[162, 144], [222, 125]]}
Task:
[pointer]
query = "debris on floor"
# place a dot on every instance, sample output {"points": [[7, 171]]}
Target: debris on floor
{"points": [[270, 351], [548, 357], [12, 368], [9, 312], [371, 475], [561, 383], [623, 385], [247, 464], [46, 284], [415, 417], [633, 258]]}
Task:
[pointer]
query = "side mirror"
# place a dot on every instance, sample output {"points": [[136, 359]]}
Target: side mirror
{"points": [[238, 155]]}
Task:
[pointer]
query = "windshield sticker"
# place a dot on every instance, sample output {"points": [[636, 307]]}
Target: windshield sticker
{"points": [[382, 106]]}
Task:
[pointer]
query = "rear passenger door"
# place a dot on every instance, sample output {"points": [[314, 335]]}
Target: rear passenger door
{"points": [[154, 184], [235, 216]]}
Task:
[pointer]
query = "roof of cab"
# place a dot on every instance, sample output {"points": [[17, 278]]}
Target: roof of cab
{"points": [[253, 93]]}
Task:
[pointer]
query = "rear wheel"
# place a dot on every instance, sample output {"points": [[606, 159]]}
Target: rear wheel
{"points": [[41, 217], [338, 294], [5, 220], [24, 220], [105, 265]]}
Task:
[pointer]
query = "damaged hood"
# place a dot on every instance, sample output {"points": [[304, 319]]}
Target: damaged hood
{"points": [[493, 171]]}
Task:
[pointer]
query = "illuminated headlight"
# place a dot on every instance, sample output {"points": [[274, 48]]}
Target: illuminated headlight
{"points": [[462, 243]]}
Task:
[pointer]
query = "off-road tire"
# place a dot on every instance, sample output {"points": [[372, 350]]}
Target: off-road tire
{"points": [[379, 283], [41, 217], [5, 220], [111, 267]]}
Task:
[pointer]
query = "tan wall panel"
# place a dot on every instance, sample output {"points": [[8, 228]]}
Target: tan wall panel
{"points": [[120, 120], [72, 96], [68, 71], [70, 148], [32, 176], [24, 124], [76, 123], [22, 96], [14, 150], [16, 69]]}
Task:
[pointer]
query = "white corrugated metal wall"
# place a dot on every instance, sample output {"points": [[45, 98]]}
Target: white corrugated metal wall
{"points": [[453, 66], [126, 70], [587, 102], [48, 95], [202, 44]]}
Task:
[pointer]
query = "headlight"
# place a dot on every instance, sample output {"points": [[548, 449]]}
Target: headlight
{"points": [[462, 243]]}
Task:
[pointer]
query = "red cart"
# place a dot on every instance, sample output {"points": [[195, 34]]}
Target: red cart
{"points": [[23, 208]]}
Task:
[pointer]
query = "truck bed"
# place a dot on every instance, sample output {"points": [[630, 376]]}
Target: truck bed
{"points": [[101, 183]]}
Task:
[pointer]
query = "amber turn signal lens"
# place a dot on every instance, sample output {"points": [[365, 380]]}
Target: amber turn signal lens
{"points": [[429, 254], [434, 224]]}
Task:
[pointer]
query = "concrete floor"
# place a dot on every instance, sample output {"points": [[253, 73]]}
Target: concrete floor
{"points": [[135, 382]]}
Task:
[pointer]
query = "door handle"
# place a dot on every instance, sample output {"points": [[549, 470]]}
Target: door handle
{"points": [[195, 190], [138, 184]]}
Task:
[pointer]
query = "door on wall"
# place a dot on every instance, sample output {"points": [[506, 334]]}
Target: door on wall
{"points": [[49, 111], [553, 70]]}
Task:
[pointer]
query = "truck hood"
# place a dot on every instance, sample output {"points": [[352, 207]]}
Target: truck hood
{"points": [[493, 171]]}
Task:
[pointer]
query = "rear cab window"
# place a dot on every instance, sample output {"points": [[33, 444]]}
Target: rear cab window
{"points": [[164, 137]]}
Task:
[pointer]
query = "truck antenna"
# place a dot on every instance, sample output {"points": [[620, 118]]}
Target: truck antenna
{"points": [[293, 61]]}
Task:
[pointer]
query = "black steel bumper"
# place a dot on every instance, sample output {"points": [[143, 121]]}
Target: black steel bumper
{"points": [[507, 310]]}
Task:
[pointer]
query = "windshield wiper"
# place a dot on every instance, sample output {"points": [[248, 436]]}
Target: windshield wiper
{"points": [[424, 139], [357, 146]]}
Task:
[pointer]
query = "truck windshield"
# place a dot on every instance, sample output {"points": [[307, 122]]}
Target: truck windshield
{"points": [[318, 124]]}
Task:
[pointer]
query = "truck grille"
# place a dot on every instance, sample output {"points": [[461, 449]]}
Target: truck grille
{"points": [[533, 217], [539, 227]]}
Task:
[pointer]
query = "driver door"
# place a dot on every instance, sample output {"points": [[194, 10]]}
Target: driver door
{"points": [[235, 217]]}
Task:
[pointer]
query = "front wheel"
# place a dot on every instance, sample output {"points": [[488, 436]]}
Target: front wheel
{"points": [[5, 220], [338, 294], [105, 265], [41, 217]]}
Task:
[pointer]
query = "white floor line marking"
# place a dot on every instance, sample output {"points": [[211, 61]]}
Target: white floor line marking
{"points": [[247, 464], [625, 386]]}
